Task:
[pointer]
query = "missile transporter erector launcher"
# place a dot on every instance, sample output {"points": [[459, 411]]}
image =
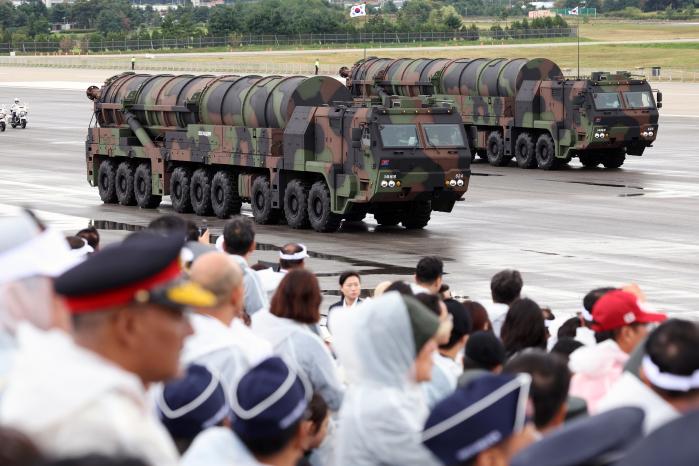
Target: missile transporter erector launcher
{"points": [[525, 108], [298, 149]]}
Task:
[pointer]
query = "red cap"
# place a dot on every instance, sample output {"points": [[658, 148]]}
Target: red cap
{"points": [[618, 308]]}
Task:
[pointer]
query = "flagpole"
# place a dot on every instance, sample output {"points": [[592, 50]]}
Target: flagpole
{"points": [[579, 11], [366, 15]]}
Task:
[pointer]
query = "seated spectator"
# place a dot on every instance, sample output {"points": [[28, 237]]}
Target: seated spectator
{"points": [[598, 440], [291, 256], [270, 422], [666, 387], [479, 316], [189, 405], [239, 242], [448, 360], [30, 256], [428, 275], [483, 354], [505, 288], [666, 445], [401, 287], [129, 325], [350, 289], [296, 306], [386, 348], [196, 238], [549, 388], [213, 344], [319, 417], [92, 236], [619, 325], [482, 423], [523, 327], [565, 346]]}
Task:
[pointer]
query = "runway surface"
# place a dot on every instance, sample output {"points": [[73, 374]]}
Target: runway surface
{"points": [[566, 231]]}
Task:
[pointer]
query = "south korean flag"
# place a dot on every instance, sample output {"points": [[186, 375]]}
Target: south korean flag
{"points": [[358, 10]]}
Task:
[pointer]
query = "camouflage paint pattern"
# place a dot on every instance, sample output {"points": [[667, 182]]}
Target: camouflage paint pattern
{"points": [[515, 96], [282, 128]]}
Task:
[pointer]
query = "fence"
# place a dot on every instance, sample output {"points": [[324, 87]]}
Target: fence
{"points": [[269, 40], [167, 64]]}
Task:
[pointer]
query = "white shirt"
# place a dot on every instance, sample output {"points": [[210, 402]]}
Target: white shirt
{"points": [[72, 402], [254, 347], [213, 346], [417, 289], [445, 374], [218, 446], [270, 279], [497, 313]]}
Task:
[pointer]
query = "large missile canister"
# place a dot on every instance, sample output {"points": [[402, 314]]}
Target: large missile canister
{"points": [[168, 102], [497, 77]]}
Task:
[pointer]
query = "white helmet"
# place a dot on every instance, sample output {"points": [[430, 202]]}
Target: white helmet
{"points": [[16, 100]]}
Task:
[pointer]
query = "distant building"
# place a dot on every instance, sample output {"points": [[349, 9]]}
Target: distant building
{"points": [[542, 5], [541, 14]]}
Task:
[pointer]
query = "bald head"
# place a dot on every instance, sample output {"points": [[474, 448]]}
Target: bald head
{"points": [[216, 272]]}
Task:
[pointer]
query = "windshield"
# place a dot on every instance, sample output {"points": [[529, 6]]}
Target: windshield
{"points": [[639, 99], [444, 135], [607, 101], [399, 136]]}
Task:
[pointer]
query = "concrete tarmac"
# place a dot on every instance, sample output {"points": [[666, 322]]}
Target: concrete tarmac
{"points": [[567, 231]]}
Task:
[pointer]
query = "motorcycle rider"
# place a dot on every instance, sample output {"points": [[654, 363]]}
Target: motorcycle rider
{"points": [[15, 106]]}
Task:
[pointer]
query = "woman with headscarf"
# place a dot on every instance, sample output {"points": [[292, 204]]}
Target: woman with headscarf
{"points": [[386, 348], [295, 307]]}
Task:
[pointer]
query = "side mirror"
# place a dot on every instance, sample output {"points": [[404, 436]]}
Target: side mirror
{"points": [[356, 134], [659, 105], [356, 144], [659, 97]]}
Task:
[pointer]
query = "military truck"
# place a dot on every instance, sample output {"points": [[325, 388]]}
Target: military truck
{"points": [[298, 149], [526, 109]]}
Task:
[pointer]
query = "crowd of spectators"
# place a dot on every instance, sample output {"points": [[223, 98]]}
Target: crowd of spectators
{"points": [[167, 348]]}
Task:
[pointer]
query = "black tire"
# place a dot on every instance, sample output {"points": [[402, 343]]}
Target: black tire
{"points": [[2, 126], [589, 160], [319, 209], [417, 215], [13, 125], [124, 184], [296, 204], [495, 150], [545, 152], [23, 124], [200, 191], [261, 201], [225, 200], [614, 159], [388, 218], [106, 182], [143, 187], [525, 152], [180, 182]]}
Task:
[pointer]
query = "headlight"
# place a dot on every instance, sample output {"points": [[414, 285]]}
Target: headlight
{"points": [[459, 182], [391, 184], [452, 183], [384, 183]]}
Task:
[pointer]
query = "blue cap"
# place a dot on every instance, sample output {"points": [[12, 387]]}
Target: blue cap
{"points": [[269, 399], [672, 444], [476, 417], [193, 403], [599, 440]]}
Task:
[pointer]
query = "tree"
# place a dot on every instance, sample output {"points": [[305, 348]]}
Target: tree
{"points": [[389, 7], [223, 20], [414, 15], [108, 22]]}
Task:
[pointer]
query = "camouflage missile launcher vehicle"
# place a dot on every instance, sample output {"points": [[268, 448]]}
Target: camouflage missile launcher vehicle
{"points": [[525, 108], [298, 149]]}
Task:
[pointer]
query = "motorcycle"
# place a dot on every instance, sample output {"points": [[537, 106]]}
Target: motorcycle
{"points": [[4, 119], [19, 117]]}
